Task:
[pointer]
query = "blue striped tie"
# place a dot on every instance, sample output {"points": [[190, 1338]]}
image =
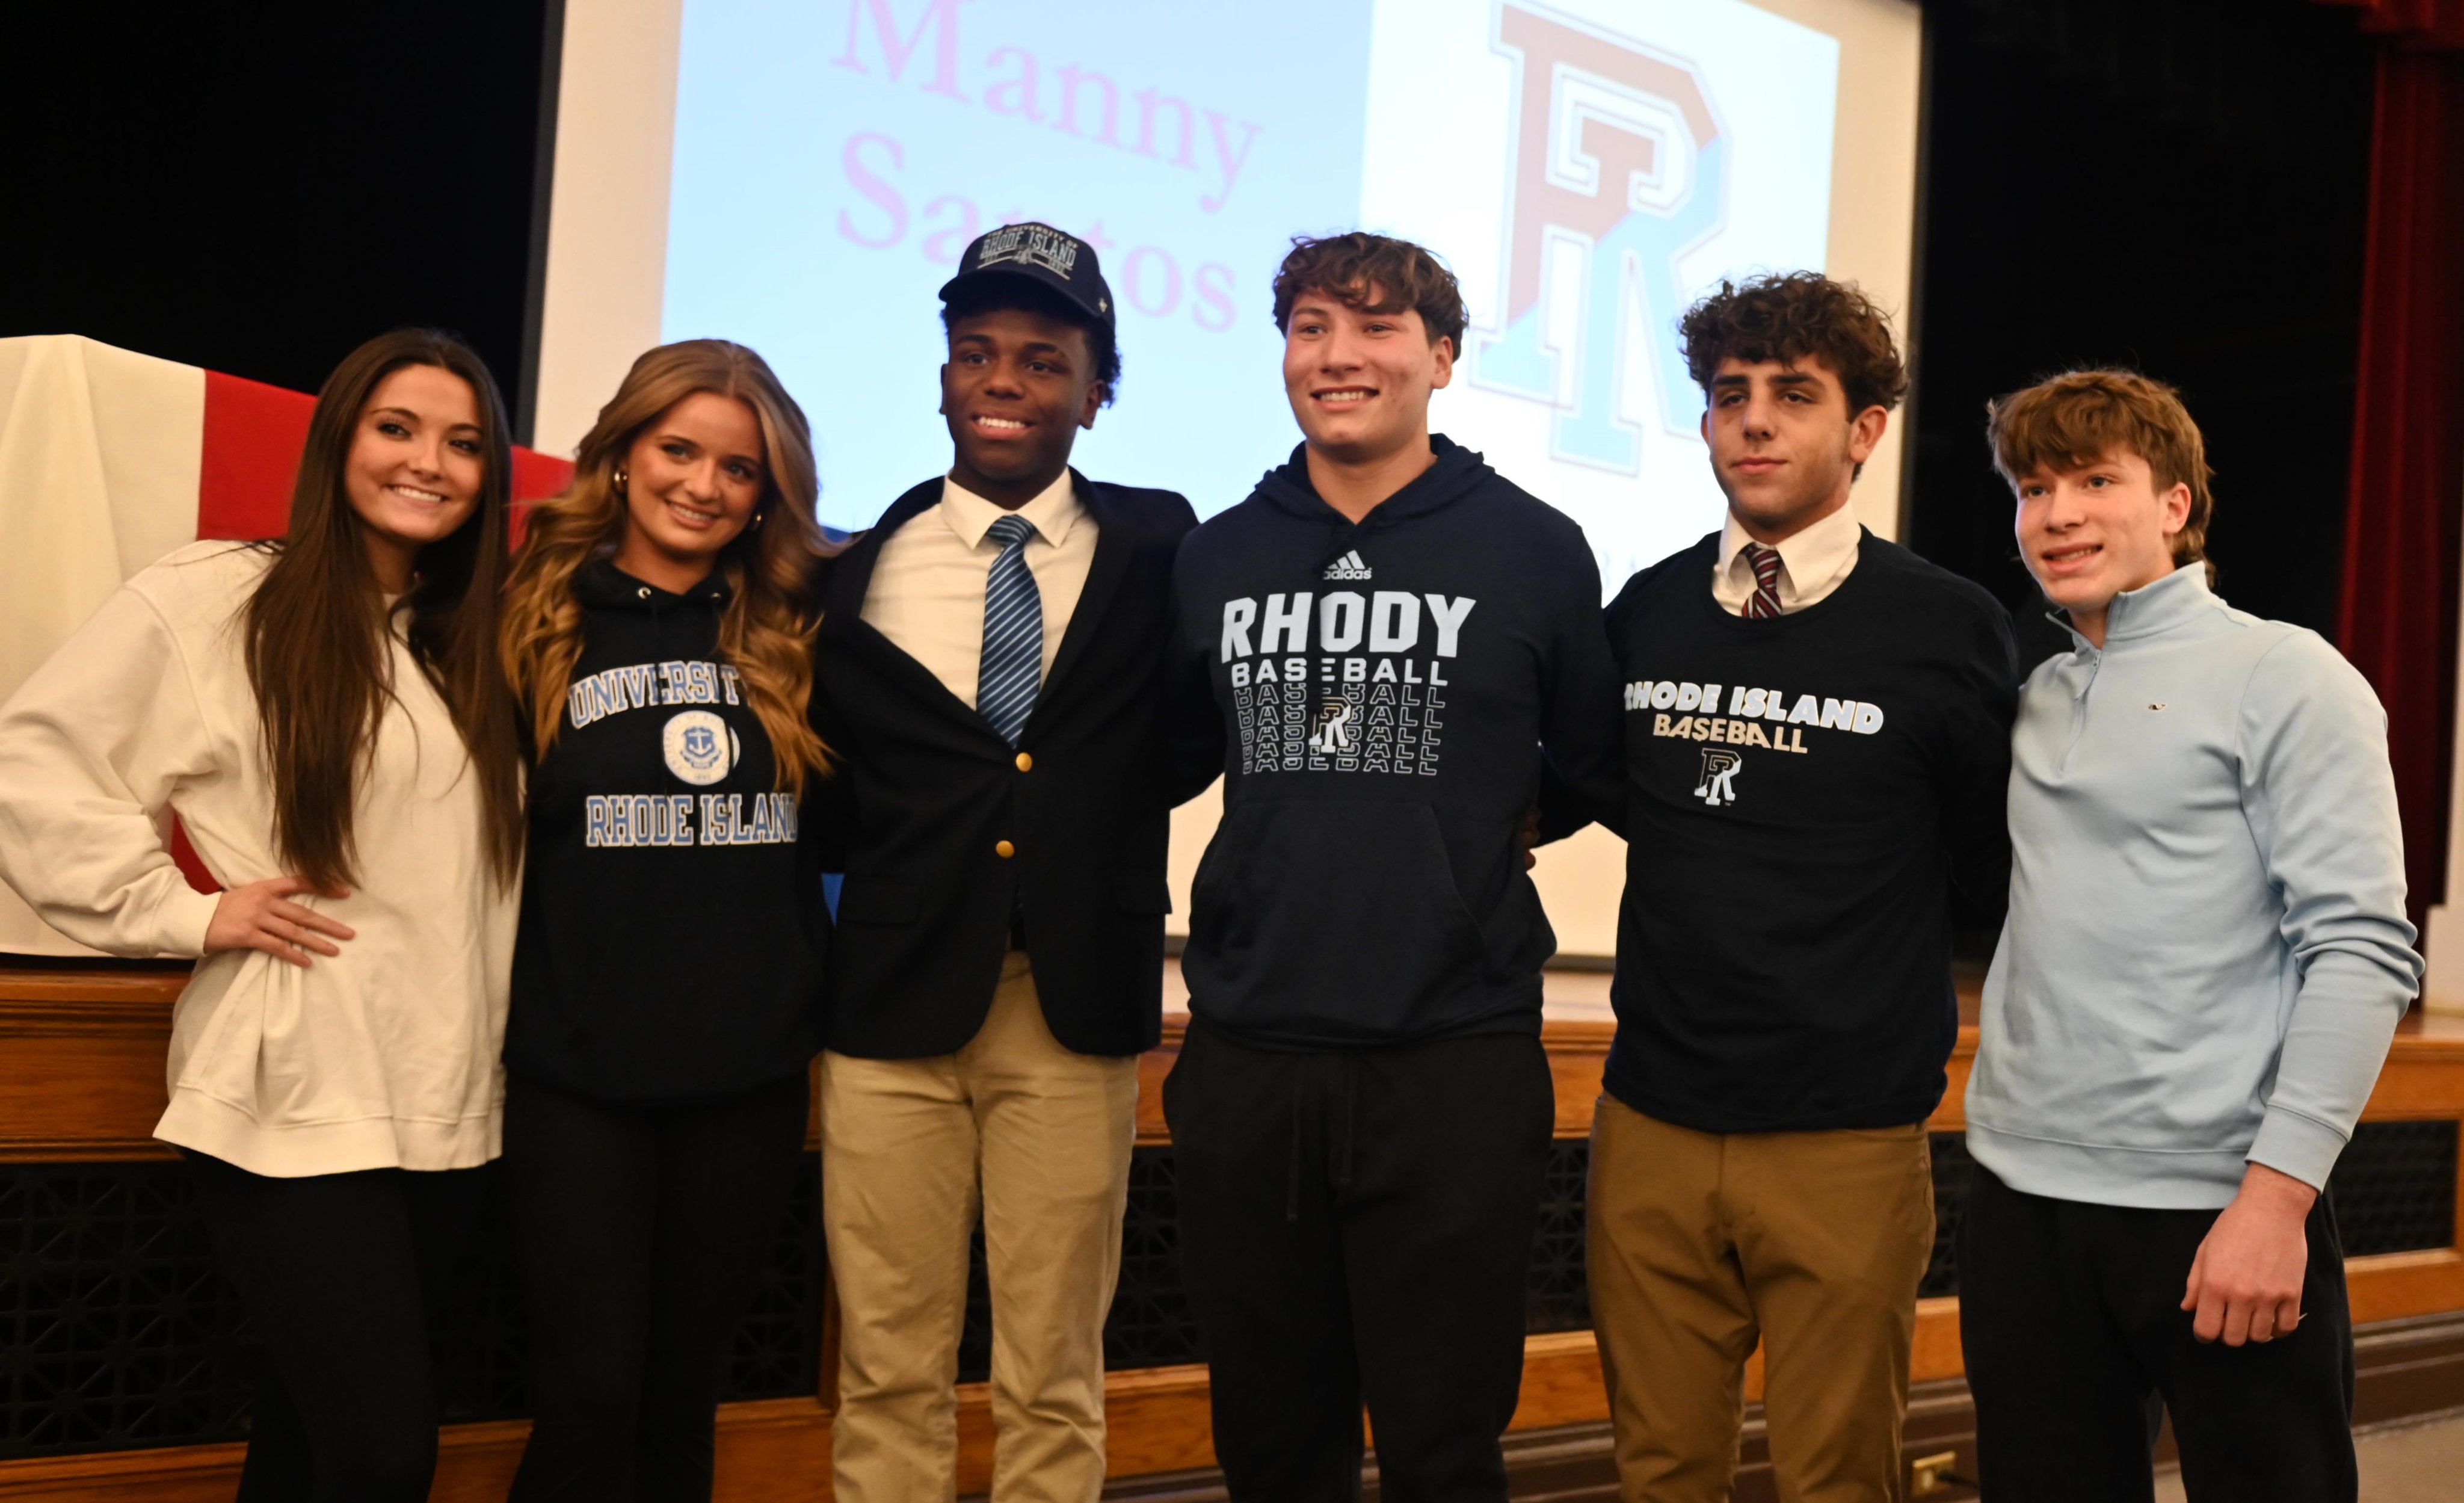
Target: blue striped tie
{"points": [[1012, 669]]}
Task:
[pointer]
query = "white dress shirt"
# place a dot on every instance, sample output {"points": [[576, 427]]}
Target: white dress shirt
{"points": [[1811, 564], [927, 593]]}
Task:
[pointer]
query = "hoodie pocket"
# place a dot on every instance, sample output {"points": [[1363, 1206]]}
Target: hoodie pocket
{"points": [[1333, 918], [712, 990]]}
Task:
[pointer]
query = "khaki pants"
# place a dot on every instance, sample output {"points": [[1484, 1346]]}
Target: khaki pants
{"points": [[1700, 1245], [905, 1145]]}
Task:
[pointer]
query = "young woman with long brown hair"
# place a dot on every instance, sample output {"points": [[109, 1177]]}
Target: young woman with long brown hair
{"points": [[667, 981], [326, 714]]}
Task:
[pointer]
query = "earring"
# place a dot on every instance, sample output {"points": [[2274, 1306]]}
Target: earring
{"points": [[620, 479], [757, 517]]}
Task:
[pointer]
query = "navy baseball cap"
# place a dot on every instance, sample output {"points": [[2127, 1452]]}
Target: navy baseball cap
{"points": [[1039, 252]]}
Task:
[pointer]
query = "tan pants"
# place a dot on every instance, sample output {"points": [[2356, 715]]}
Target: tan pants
{"points": [[1700, 1245], [905, 1145]]}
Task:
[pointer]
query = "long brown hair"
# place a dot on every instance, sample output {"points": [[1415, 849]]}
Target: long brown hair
{"points": [[765, 632], [318, 633]]}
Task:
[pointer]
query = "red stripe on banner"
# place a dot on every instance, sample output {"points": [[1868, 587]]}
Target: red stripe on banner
{"points": [[191, 865], [537, 476], [253, 436]]}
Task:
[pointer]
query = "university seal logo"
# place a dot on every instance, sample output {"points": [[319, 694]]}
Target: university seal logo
{"points": [[699, 747], [1617, 156]]}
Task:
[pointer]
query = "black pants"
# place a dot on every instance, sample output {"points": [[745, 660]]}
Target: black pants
{"points": [[2071, 1318], [338, 1272], [641, 1237], [1358, 1227]]}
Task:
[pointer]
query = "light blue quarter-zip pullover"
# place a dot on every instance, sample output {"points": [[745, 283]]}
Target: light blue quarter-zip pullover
{"points": [[2207, 951]]}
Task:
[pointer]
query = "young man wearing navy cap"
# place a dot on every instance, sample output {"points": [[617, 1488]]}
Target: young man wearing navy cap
{"points": [[990, 679]]}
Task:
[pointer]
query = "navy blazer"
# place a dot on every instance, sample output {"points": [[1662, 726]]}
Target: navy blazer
{"points": [[928, 795]]}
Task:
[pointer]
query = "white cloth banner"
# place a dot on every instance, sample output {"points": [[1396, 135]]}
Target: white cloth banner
{"points": [[100, 451]]}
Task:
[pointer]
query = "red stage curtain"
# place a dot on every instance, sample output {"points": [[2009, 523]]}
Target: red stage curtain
{"points": [[2404, 523]]}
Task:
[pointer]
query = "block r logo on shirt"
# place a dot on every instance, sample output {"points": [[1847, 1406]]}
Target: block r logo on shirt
{"points": [[1335, 732], [1718, 784]]}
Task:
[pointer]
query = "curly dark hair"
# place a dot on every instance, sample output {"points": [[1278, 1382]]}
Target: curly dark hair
{"points": [[1793, 316], [979, 295], [1356, 267]]}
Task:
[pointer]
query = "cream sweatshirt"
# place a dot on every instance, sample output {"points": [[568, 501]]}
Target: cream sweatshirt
{"points": [[385, 1056]]}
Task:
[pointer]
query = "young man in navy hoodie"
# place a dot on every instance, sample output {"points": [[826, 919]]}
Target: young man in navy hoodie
{"points": [[1362, 1112]]}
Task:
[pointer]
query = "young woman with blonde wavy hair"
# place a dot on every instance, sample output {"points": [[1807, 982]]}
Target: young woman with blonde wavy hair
{"points": [[668, 974]]}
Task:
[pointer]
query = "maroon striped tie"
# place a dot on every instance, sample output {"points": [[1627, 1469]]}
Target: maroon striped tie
{"points": [[1764, 602]]}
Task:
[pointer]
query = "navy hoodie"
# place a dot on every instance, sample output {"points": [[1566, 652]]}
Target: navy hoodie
{"points": [[672, 929], [1387, 690]]}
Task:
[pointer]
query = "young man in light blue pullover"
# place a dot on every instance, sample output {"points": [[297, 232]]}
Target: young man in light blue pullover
{"points": [[2203, 960]]}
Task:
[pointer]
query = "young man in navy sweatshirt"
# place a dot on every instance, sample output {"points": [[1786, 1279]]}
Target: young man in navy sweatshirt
{"points": [[1362, 1112], [1816, 734], [2204, 958]]}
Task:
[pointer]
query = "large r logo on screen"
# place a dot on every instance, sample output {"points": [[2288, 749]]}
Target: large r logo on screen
{"points": [[1619, 160]]}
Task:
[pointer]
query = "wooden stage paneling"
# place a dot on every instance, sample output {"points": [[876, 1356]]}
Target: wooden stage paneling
{"points": [[82, 1051]]}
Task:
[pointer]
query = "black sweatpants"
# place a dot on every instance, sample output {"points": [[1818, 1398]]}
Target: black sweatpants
{"points": [[1357, 1227], [2071, 1318], [641, 1236], [338, 1273]]}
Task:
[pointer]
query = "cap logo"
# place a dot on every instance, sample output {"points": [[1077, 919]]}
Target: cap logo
{"points": [[1037, 245]]}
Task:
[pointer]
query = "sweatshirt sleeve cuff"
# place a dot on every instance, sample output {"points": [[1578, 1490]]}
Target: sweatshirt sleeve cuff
{"points": [[2300, 1146], [181, 922]]}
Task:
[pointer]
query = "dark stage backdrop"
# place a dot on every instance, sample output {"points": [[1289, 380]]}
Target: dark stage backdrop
{"points": [[2178, 185], [257, 190]]}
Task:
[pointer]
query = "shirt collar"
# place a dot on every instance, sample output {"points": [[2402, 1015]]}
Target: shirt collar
{"points": [[2159, 606], [1811, 554], [1051, 514]]}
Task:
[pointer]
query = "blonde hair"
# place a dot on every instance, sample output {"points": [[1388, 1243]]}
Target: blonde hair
{"points": [[2070, 421], [766, 630]]}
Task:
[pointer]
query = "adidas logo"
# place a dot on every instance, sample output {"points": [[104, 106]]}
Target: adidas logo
{"points": [[1348, 566]]}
